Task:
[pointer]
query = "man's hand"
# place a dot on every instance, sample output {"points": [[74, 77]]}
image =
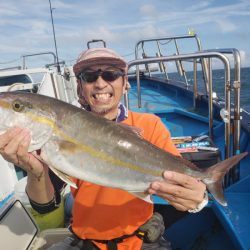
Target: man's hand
{"points": [[14, 146], [181, 191]]}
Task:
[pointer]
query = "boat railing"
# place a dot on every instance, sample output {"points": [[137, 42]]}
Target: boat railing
{"points": [[195, 57], [236, 86], [236, 115], [24, 57], [179, 63]]}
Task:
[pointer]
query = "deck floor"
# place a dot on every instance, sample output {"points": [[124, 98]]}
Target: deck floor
{"points": [[235, 218], [174, 108], [155, 99]]}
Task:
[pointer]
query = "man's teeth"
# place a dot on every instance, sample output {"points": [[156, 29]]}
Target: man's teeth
{"points": [[102, 96]]}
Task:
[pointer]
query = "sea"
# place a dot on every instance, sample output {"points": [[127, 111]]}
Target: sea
{"points": [[219, 84]]}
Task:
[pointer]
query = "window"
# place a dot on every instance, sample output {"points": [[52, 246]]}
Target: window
{"points": [[9, 80]]}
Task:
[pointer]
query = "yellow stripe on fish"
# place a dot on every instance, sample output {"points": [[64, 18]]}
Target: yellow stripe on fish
{"points": [[90, 150], [102, 155]]}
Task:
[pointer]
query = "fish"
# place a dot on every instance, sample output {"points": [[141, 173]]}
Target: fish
{"points": [[76, 143]]}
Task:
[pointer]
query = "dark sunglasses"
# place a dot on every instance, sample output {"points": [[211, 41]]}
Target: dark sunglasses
{"points": [[107, 75]]}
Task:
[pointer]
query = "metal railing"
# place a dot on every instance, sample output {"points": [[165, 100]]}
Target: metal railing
{"points": [[179, 64], [236, 86], [38, 54], [194, 57], [234, 174]]}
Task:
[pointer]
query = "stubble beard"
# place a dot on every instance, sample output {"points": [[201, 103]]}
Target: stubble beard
{"points": [[101, 110]]}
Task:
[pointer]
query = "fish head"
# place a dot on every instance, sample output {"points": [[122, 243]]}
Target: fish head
{"points": [[25, 110]]}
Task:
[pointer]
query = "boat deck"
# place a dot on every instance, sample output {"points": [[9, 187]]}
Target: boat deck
{"points": [[154, 98], [174, 106], [235, 217]]}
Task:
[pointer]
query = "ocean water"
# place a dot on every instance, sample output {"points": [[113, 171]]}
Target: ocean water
{"points": [[218, 84], [245, 89]]}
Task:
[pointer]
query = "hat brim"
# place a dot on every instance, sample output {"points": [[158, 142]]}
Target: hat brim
{"points": [[82, 65]]}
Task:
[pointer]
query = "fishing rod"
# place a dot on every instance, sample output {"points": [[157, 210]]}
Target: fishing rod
{"points": [[52, 22]]}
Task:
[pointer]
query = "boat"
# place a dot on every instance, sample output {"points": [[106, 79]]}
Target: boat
{"points": [[205, 127]]}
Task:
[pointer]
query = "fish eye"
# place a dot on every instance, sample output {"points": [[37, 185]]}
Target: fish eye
{"points": [[17, 106]]}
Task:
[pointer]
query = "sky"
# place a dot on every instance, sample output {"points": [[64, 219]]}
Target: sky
{"points": [[26, 27]]}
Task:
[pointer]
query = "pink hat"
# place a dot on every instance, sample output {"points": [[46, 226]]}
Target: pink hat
{"points": [[98, 56]]}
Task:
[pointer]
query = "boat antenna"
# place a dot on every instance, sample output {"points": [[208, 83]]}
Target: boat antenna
{"points": [[52, 22]]}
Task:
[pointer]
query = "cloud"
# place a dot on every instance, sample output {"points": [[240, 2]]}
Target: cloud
{"points": [[148, 31], [101, 32], [40, 28], [26, 25], [199, 6], [226, 25], [7, 11], [148, 10]]}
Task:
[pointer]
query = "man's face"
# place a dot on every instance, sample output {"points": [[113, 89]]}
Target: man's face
{"points": [[101, 95]]}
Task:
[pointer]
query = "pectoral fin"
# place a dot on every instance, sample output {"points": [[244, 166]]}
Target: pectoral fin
{"points": [[64, 177], [143, 196]]}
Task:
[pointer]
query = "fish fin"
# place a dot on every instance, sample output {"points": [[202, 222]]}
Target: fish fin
{"points": [[61, 175], [215, 175], [143, 196], [64, 177]]}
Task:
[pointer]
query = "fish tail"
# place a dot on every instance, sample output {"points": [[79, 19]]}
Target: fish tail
{"points": [[215, 175]]}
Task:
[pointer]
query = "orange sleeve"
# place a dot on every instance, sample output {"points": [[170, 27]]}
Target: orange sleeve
{"points": [[153, 130], [161, 137]]}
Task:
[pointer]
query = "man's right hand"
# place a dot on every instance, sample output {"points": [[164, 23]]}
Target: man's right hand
{"points": [[14, 146]]}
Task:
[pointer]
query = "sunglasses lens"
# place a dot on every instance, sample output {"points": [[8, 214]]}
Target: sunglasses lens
{"points": [[110, 75], [90, 76]]}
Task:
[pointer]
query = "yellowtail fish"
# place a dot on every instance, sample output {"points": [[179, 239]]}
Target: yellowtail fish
{"points": [[77, 143]]}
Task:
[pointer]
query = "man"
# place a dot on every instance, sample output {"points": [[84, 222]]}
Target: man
{"points": [[106, 218]]}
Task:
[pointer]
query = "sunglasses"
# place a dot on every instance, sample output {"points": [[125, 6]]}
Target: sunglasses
{"points": [[107, 75]]}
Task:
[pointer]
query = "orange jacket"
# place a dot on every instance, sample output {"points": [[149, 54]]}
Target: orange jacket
{"points": [[105, 213]]}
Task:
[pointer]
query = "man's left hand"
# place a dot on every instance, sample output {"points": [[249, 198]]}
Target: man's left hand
{"points": [[181, 191]]}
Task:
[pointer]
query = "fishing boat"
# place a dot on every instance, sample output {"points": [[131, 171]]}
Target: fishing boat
{"points": [[205, 127]]}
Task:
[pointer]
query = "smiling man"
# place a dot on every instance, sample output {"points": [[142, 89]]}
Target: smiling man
{"points": [[103, 217], [100, 86]]}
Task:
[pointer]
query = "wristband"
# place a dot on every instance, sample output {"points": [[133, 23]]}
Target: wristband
{"points": [[201, 205], [46, 207]]}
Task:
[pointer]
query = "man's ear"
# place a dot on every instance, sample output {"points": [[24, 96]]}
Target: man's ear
{"points": [[126, 85], [79, 87]]}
